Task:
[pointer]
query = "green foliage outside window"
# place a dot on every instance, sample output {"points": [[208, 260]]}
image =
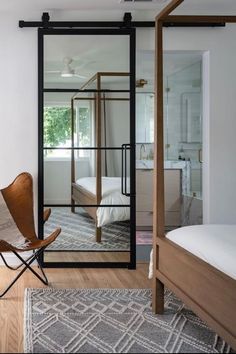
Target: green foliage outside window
{"points": [[57, 125], [84, 127], [57, 128]]}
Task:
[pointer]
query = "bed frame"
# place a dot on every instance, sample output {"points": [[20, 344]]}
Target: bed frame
{"points": [[208, 292], [81, 196]]}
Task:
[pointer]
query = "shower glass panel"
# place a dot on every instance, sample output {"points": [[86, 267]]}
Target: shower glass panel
{"points": [[183, 137]]}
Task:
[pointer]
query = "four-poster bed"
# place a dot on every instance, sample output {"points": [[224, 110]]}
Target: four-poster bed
{"points": [[98, 190], [206, 290]]}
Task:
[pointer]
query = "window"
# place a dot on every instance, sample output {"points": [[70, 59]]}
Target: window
{"points": [[57, 130], [84, 127]]}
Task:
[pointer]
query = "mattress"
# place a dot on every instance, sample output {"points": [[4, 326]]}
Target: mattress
{"points": [[111, 194], [214, 244]]}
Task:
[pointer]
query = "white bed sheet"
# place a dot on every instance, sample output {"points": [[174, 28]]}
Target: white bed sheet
{"points": [[215, 244], [111, 194]]}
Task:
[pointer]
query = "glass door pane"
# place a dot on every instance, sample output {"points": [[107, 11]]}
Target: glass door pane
{"points": [[88, 147]]}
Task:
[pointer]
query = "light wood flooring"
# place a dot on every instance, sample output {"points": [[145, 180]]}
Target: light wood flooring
{"points": [[87, 257], [11, 306]]}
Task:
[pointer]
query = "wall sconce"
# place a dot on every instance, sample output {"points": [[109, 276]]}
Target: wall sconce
{"points": [[140, 83]]}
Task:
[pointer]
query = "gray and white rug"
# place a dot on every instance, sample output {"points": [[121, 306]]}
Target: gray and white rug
{"points": [[112, 321], [78, 232]]}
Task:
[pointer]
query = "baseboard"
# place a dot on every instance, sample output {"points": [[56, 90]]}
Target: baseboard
{"points": [[12, 260], [57, 201]]}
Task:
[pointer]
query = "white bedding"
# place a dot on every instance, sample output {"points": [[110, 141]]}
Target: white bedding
{"points": [[111, 194], [215, 244]]}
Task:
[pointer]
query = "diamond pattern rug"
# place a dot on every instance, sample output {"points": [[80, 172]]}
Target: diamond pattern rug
{"points": [[112, 321], [78, 232]]}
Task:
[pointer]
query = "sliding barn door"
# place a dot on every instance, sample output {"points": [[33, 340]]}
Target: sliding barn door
{"points": [[87, 146]]}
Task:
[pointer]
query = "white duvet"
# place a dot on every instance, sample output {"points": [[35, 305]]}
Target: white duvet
{"points": [[111, 194], [214, 244]]}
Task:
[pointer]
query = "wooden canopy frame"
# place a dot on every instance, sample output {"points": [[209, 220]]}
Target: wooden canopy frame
{"points": [[210, 293], [81, 195]]}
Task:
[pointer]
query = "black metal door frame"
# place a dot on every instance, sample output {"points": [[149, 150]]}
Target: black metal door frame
{"points": [[131, 32]]}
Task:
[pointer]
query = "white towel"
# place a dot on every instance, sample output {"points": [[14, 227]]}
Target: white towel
{"points": [[150, 274]]}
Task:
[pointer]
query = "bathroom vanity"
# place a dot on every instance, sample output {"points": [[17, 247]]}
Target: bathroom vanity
{"points": [[144, 195]]}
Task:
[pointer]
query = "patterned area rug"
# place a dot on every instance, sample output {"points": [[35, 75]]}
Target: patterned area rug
{"points": [[78, 233], [112, 321]]}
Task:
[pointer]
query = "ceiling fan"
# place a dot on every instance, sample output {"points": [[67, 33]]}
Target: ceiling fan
{"points": [[67, 70]]}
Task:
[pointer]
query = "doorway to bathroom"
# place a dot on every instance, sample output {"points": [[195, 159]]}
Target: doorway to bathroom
{"points": [[183, 112]]}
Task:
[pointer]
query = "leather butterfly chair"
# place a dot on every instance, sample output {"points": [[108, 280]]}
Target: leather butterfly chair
{"points": [[18, 197]]}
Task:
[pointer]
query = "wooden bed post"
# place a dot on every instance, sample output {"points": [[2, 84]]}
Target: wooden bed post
{"points": [[159, 206], [158, 217], [98, 153], [72, 154]]}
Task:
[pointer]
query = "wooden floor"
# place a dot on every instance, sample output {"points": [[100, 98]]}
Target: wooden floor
{"points": [[11, 306], [87, 257]]}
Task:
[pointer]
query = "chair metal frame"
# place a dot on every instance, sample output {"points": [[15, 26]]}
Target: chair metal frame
{"points": [[27, 263]]}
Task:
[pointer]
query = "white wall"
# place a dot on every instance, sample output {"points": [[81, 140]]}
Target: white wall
{"points": [[18, 109], [18, 95], [57, 179]]}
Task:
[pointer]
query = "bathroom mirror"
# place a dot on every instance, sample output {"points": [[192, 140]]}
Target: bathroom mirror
{"points": [[87, 146]]}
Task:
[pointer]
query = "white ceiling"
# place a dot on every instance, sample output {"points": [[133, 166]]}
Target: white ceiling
{"points": [[90, 54], [74, 5], [207, 7], [189, 6]]}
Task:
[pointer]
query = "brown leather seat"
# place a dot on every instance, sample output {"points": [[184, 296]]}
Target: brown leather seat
{"points": [[18, 197], [46, 214]]}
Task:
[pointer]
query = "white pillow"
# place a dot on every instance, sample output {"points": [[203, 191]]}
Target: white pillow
{"points": [[112, 214]]}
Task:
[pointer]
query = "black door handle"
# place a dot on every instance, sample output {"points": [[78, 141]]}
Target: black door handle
{"points": [[124, 149]]}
